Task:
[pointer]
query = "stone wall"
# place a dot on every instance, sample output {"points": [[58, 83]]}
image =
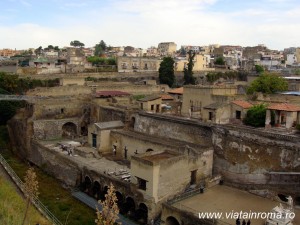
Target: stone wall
{"points": [[52, 129], [173, 127], [244, 156]]}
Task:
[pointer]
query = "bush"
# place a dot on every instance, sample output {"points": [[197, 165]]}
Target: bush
{"points": [[256, 116]]}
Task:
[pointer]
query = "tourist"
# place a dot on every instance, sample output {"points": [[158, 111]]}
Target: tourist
{"points": [[248, 223], [238, 222], [244, 222]]}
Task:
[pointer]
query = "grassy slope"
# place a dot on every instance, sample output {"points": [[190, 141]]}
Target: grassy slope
{"points": [[58, 200], [12, 207]]}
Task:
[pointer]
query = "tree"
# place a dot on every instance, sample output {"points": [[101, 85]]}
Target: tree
{"points": [[259, 69], [166, 71], [220, 61], [76, 43], [31, 187], [188, 72], [100, 48], [38, 51], [268, 83], [109, 213], [182, 51]]}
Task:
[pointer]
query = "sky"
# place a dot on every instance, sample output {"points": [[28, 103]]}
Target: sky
{"points": [[143, 23]]}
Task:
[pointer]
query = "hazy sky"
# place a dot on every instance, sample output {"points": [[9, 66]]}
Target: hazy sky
{"points": [[145, 23]]}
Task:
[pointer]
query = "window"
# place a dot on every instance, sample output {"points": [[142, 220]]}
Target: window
{"points": [[141, 105], [152, 107], [62, 110], [142, 184], [238, 114]]}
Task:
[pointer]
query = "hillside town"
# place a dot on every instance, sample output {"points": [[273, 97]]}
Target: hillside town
{"points": [[179, 131]]}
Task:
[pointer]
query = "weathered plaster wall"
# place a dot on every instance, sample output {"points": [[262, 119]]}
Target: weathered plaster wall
{"points": [[172, 127], [245, 156]]}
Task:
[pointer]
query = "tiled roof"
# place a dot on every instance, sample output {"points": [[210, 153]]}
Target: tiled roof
{"points": [[176, 91], [285, 107], [166, 97], [104, 94], [242, 103]]}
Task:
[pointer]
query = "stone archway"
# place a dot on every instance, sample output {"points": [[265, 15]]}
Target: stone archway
{"points": [[120, 201], [87, 185], [69, 130], [129, 207], [142, 213], [172, 221], [96, 190]]}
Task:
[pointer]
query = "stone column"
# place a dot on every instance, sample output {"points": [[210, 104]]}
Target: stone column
{"points": [[268, 119]]}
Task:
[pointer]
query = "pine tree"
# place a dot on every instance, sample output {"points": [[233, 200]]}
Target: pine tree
{"points": [[110, 210]]}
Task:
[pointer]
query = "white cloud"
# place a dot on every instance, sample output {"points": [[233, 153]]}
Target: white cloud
{"points": [[142, 23]]}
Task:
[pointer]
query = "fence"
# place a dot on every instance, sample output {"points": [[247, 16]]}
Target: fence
{"points": [[35, 201]]}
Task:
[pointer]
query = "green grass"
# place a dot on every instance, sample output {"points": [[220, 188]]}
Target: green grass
{"points": [[57, 199], [12, 207]]}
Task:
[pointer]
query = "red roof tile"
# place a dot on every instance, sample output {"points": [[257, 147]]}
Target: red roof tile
{"points": [[242, 103], [166, 97], [176, 91], [285, 107]]}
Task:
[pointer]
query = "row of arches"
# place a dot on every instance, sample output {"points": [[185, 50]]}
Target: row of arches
{"points": [[126, 204]]}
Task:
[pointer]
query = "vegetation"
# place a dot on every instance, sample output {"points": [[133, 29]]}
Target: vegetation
{"points": [[31, 187], [188, 72], [57, 199], [100, 48], [76, 44], [212, 77], [12, 84], [166, 71], [138, 97], [268, 83], [220, 61], [259, 69], [110, 210], [96, 60], [256, 116], [12, 207]]}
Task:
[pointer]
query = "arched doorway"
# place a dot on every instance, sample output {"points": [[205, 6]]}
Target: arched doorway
{"points": [[142, 213], [149, 150], [120, 201], [103, 193], [172, 221], [69, 130], [96, 190], [87, 184], [129, 207]]}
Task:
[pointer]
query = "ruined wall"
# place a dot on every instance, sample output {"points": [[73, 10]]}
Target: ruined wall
{"points": [[52, 129], [169, 185], [173, 127], [245, 156]]}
